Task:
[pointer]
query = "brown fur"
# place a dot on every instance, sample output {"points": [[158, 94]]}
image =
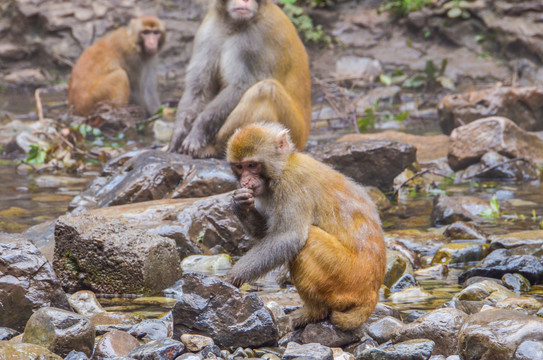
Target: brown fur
{"points": [[116, 69], [241, 74], [323, 225]]}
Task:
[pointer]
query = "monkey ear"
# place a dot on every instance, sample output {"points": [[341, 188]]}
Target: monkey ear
{"points": [[283, 143]]}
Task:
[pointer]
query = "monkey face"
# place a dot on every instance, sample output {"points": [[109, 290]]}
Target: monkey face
{"points": [[250, 175], [150, 40]]}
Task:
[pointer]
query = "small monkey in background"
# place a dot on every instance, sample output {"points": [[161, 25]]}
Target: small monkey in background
{"points": [[248, 63], [309, 216], [119, 68]]}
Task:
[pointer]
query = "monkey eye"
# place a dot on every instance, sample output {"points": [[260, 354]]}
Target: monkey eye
{"points": [[237, 167], [146, 32], [253, 165]]}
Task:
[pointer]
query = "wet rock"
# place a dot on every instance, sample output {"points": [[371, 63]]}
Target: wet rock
{"points": [[527, 304], [152, 329], [111, 257], [495, 166], [115, 344], [85, 303], [428, 147], [109, 321], [518, 239], [9, 351], [460, 253], [76, 355], [164, 349], [60, 331], [470, 142], [419, 349], [433, 272], [339, 354], [228, 316], [383, 329], [441, 326], [381, 310], [501, 262], [485, 290], [209, 264], [196, 343], [420, 242], [7, 333], [29, 77], [312, 351], [357, 69], [150, 175], [412, 294], [398, 270], [529, 350], [190, 356], [27, 283], [371, 162], [495, 335], [326, 334], [523, 105], [466, 306], [281, 319], [461, 230], [447, 211], [516, 282]]}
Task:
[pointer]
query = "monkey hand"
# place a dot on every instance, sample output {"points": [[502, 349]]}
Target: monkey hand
{"points": [[193, 143], [232, 280], [244, 199]]}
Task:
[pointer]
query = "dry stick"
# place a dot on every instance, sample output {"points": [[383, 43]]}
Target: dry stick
{"points": [[333, 104], [497, 166], [39, 106]]}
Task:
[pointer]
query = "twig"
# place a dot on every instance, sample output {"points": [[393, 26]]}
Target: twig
{"points": [[420, 173], [39, 106], [497, 166]]}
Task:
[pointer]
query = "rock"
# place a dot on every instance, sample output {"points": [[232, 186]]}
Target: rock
{"points": [[196, 343], [109, 321], [460, 253], [164, 349], [495, 166], [529, 350], [470, 142], [12, 351], [523, 105], [412, 294], [60, 331], [396, 268], [495, 335], [339, 354], [313, 351], [433, 272], [485, 290], [516, 282], [518, 239], [384, 95], [421, 242], [526, 304], [371, 162], [383, 329], [211, 352], [111, 257], [115, 344], [84, 302], [326, 334], [154, 329], [441, 326], [461, 230], [27, 283], [206, 177], [214, 308], [209, 264], [419, 349], [501, 262], [7, 333], [76, 355], [447, 211], [28, 77], [428, 147], [281, 319]]}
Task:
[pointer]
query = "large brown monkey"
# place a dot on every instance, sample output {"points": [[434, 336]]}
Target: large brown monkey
{"points": [[248, 64], [323, 225], [120, 68]]}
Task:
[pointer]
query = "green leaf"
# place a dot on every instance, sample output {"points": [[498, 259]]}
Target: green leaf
{"points": [[454, 12], [415, 82], [36, 155], [430, 69], [387, 80], [446, 82], [402, 116]]}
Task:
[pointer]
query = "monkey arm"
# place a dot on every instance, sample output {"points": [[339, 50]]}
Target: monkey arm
{"points": [[149, 90]]}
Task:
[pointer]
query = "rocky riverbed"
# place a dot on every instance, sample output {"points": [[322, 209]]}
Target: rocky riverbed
{"points": [[122, 257]]}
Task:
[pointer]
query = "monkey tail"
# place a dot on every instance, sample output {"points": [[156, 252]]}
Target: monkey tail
{"points": [[352, 318]]}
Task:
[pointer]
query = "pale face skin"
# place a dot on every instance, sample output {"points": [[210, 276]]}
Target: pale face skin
{"points": [[242, 10]]}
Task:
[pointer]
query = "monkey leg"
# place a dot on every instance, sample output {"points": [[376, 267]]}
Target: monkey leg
{"points": [[113, 87], [327, 272], [265, 101], [309, 313]]}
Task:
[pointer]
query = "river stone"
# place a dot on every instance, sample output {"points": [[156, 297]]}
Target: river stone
{"points": [[60, 331], [327, 334], [205, 177], [85, 303], [470, 142], [517, 239], [460, 253], [495, 166], [529, 350], [500, 262], [313, 351], [196, 343], [209, 264], [164, 349], [115, 344], [12, 351], [447, 211], [211, 307], [383, 329], [486, 290], [111, 257], [495, 335], [7, 333], [152, 329], [76, 355], [527, 304], [397, 266], [462, 230], [27, 283], [516, 282], [441, 326], [109, 321], [522, 104], [418, 349], [371, 162], [409, 295]]}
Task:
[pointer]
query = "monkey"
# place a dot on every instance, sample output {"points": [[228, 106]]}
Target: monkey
{"points": [[119, 68], [248, 64], [304, 214]]}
